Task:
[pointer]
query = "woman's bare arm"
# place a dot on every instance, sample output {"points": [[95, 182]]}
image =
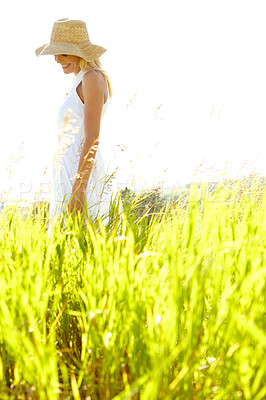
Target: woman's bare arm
{"points": [[93, 91]]}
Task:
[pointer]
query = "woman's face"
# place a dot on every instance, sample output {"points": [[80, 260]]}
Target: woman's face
{"points": [[69, 63]]}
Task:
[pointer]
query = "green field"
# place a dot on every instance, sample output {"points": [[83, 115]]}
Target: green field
{"points": [[166, 304]]}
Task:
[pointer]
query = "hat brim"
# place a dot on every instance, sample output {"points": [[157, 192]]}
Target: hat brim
{"points": [[88, 51]]}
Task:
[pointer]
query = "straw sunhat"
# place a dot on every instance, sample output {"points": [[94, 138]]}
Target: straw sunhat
{"points": [[71, 37]]}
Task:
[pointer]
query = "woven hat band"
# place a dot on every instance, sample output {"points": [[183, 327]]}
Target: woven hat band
{"points": [[69, 32]]}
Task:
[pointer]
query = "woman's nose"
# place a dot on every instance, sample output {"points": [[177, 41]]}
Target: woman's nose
{"points": [[56, 58]]}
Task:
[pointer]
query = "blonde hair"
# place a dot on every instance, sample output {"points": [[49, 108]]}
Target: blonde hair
{"points": [[96, 65]]}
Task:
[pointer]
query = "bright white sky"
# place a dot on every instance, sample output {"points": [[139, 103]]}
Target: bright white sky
{"points": [[189, 80]]}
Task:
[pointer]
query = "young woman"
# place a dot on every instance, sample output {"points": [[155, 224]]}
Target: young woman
{"points": [[80, 183]]}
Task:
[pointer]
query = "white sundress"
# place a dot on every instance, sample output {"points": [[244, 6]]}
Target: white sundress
{"points": [[66, 161]]}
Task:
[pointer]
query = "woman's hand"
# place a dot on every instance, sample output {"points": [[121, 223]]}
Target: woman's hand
{"points": [[77, 201]]}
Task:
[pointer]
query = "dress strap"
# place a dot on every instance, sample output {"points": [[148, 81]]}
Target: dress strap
{"points": [[78, 78]]}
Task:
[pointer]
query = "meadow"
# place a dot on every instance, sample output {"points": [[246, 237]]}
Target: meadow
{"points": [[159, 304]]}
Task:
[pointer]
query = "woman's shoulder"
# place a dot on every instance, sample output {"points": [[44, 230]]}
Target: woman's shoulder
{"points": [[93, 78], [94, 81]]}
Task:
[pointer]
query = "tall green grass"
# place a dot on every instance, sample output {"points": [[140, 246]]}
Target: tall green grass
{"points": [[163, 306]]}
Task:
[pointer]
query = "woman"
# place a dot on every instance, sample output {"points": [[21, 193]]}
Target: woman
{"points": [[80, 179]]}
